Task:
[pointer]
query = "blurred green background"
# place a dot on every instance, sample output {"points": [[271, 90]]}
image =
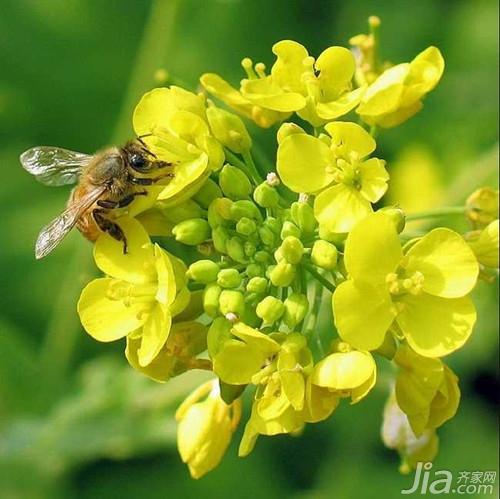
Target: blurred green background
{"points": [[75, 420]]}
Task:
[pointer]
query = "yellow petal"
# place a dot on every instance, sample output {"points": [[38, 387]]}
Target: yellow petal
{"points": [[435, 326], [333, 109], [303, 163], [362, 314], [374, 178], [336, 66], [340, 208], [165, 274], [349, 137], [265, 93], [372, 249], [105, 319], [255, 338], [448, 264], [154, 334], [288, 70], [137, 265]]}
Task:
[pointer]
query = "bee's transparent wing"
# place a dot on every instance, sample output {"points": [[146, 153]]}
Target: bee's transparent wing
{"points": [[53, 233], [54, 165]]}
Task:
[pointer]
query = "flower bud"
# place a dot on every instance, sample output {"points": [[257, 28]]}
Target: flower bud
{"points": [[296, 307], [229, 278], [207, 193], [270, 309], [482, 206], [245, 208], [205, 428], [266, 196], [183, 211], [485, 246], [229, 130], [292, 249], [204, 271], [333, 237], [254, 270], [220, 238], [324, 255], [290, 229], [257, 285], [192, 232], [274, 224], [397, 216], [282, 274], [219, 211], [235, 249], [303, 216], [246, 226], [249, 248], [234, 183], [211, 297], [231, 302], [287, 129]]}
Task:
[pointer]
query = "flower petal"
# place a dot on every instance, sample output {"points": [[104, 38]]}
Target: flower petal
{"points": [[105, 319], [447, 262], [303, 163], [288, 70], [154, 334], [333, 109], [336, 66], [372, 249], [349, 137], [362, 314], [435, 326], [340, 208], [374, 178]]}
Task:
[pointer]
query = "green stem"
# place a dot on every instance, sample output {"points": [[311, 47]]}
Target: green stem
{"points": [[312, 320], [230, 156], [251, 165], [325, 282], [63, 327], [438, 212]]}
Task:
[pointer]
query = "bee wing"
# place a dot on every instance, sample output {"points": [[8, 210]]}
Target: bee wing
{"points": [[54, 165], [53, 233]]}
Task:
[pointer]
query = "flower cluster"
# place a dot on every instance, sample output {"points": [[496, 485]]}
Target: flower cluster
{"points": [[231, 262]]}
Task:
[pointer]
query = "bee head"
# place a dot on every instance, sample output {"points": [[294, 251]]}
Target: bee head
{"points": [[138, 162]]}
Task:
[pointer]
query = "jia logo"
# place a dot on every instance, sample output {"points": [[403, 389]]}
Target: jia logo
{"points": [[442, 482]]}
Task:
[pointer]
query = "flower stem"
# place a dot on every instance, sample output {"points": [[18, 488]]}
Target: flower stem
{"points": [[62, 330], [244, 167], [438, 212], [312, 320], [325, 282]]}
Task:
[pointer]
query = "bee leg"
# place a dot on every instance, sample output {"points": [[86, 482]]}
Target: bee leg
{"points": [[113, 229], [149, 181]]}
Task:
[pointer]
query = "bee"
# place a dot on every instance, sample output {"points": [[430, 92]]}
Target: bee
{"points": [[106, 180]]}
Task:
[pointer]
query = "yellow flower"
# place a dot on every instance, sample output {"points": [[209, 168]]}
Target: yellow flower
{"points": [[397, 434], [174, 125], [423, 290], [335, 167], [396, 95], [346, 372], [485, 245], [144, 289], [426, 390], [185, 341], [205, 428]]}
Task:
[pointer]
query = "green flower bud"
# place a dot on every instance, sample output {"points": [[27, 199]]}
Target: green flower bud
{"points": [[211, 297], [254, 270], [287, 129], [290, 229], [219, 211], [257, 285], [296, 307], [207, 193], [245, 208], [270, 309], [303, 216], [192, 232], [324, 255], [231, 302], [246, 226], [249, 248], [229, 129], [220, 238], [204, 271], [282, 274], [235, 249], [292, 249], [266, 196], [262, 256], [234, 183], [278, 255], [228, 278], [274, 224], [396, 215], [183, 211], [267, 236], [336, 238]]}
